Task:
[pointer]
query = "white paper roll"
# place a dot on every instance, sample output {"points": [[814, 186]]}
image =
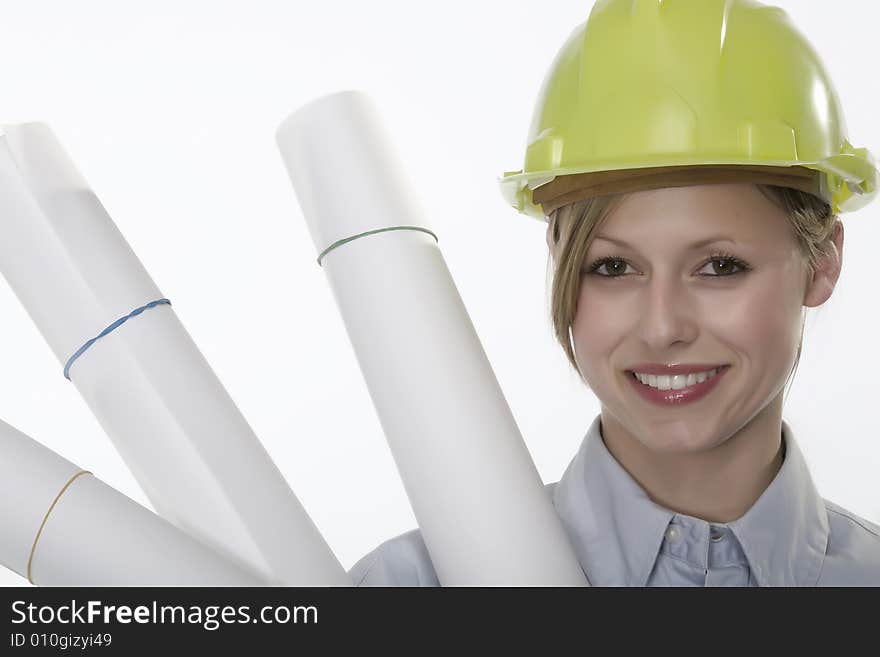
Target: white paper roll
{"points": [[476, 494], [185, 441], [61, 526]]}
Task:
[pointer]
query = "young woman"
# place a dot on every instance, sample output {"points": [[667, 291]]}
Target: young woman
{"points": [[692, 192]]}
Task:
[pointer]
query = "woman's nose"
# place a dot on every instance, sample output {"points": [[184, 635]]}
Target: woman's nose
{"points": [[667, 314]]}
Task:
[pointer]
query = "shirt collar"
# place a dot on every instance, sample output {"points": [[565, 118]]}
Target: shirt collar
{"points": [[618, 530]]}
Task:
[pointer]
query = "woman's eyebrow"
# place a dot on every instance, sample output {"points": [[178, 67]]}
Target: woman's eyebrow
{"points": [[695, 245]]}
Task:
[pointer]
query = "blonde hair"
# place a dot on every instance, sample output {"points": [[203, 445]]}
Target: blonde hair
{"points": [[572, 227]]}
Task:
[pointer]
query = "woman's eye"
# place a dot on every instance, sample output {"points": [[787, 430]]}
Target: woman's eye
{"points": [[614, 267], [725, 266]]}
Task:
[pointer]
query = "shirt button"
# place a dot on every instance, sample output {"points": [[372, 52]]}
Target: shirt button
{"points": [[673, 534], [716, 534]]}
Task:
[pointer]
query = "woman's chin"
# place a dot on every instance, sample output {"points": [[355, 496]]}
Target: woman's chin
{"points": [[677, 437]]}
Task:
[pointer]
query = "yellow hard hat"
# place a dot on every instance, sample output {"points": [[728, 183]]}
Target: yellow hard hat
{"points": [[660, 84]]}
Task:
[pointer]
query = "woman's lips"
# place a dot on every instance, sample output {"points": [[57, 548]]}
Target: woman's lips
{"points": [[676, 397], [680, 368]]}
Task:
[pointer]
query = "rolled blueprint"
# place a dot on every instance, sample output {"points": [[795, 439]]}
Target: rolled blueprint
{"points": [[61, 526], [476, 494], [145, 380]]}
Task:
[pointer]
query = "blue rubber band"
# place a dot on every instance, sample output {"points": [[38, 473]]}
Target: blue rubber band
{"points": [[116, 324], [372, 232]]}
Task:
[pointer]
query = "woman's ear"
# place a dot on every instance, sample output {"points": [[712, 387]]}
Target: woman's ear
{"points": [[821, 285]]}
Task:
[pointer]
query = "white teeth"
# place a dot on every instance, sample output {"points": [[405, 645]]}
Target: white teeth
{"points": [[675, 382]]}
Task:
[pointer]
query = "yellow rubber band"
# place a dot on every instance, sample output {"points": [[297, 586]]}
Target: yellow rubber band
{"points": [[46, 517]]}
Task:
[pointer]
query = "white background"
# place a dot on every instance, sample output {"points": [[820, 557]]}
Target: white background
{"points": [[169, 110]]}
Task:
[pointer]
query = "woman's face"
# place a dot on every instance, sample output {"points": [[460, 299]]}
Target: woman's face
{"points": [[708, 276]]}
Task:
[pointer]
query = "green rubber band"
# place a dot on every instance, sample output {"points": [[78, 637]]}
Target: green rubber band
{"points": [[371, 232]]}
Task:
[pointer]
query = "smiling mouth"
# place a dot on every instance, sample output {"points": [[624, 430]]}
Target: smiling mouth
{"points": [[676, 381], [674, 391]]}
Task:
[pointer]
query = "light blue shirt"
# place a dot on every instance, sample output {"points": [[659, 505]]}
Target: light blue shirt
{"points": [[789, 537]]}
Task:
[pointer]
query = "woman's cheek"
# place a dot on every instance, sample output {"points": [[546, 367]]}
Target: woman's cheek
{"points": [[603, 321], [760, 321]]}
